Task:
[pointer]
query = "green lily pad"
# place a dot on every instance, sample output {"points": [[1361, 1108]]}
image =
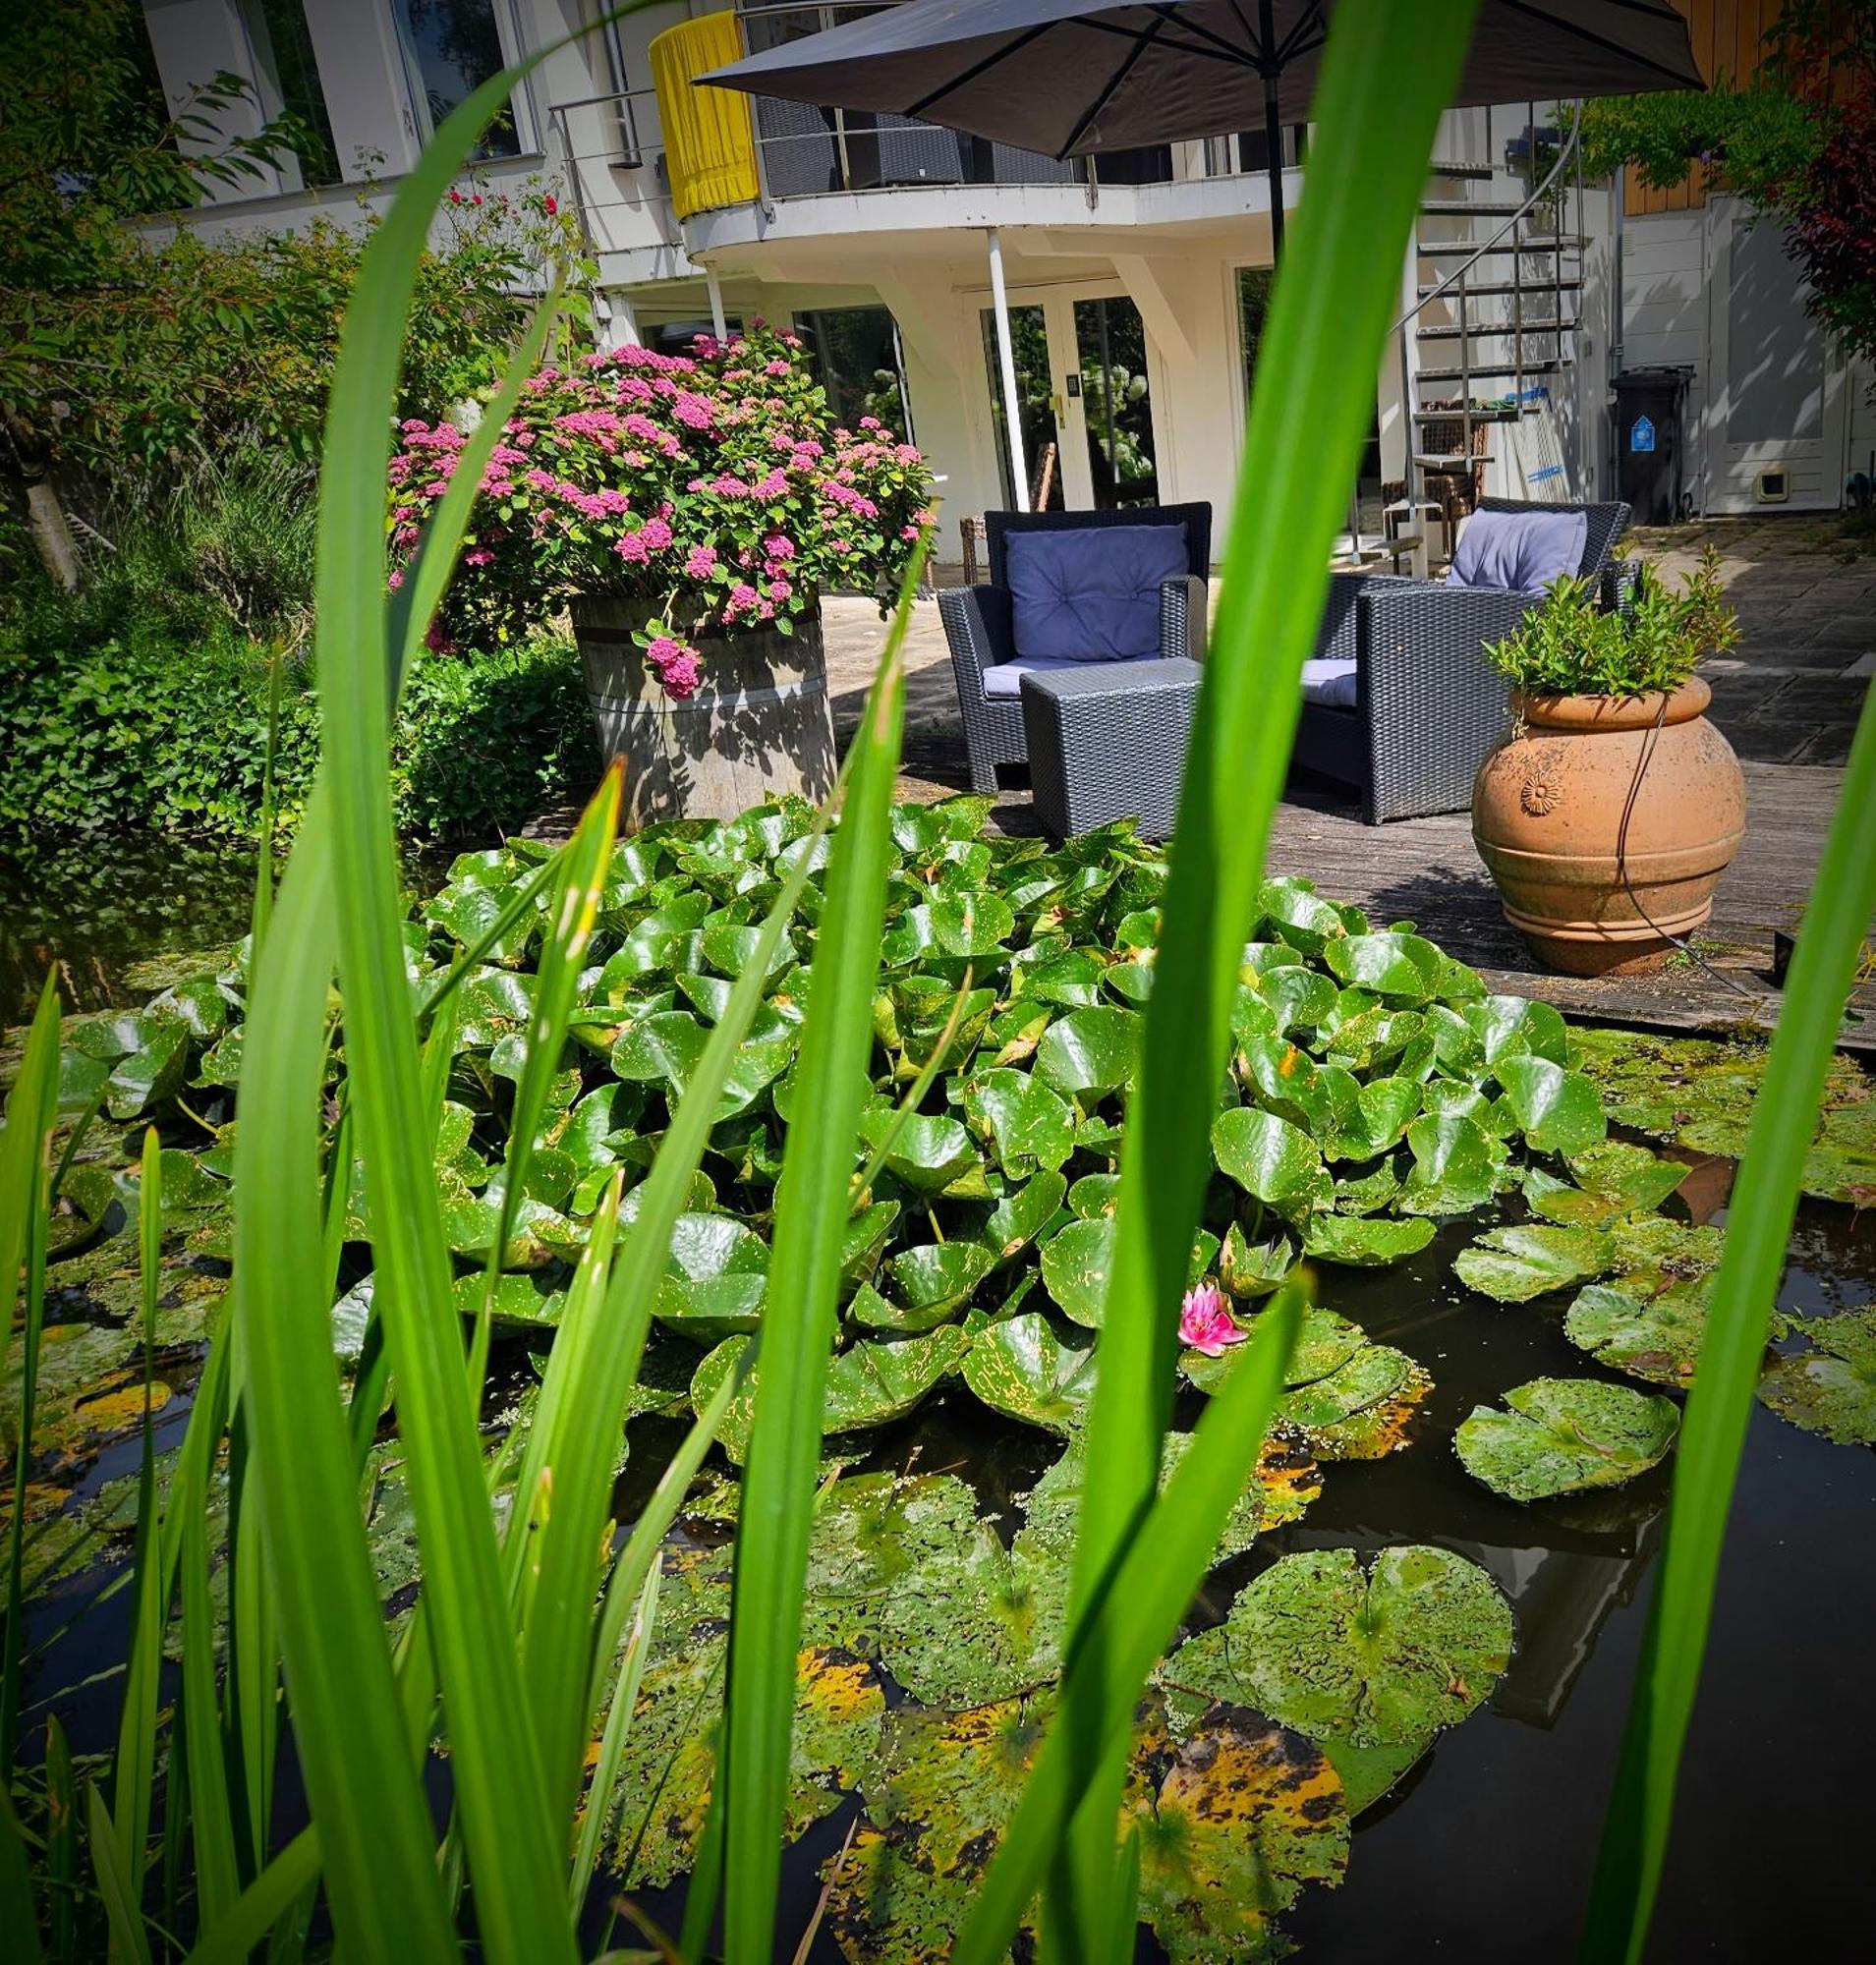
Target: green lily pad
{"points": [[1401, 966], [1090, 1053], [1269, 1158], [1363, 1243], [1051, 1509], [1094, 1195], [1511, 1027], [929, 1285], [975, 1622], [1359, 1410], [1562, 1435], [1610, 1181], [1028, 1367], [1382, 1658], [1019, 1218], [716, 1282], [1248, 1269], [1455, 1169], [1029, 1124], [1558, 1112], [931, 1153], [1656, 1338], [1376, 1122], [1075, 1265], [1831, 1388], [876, 1382], [1516, 1264], [521, 1302]]}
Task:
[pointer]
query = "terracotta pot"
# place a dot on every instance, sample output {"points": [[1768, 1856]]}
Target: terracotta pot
{"points": [[759, 725], [1547, 818]]}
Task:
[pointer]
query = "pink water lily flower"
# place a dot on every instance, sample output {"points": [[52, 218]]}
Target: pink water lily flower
{"points": [[1206, 1322]]}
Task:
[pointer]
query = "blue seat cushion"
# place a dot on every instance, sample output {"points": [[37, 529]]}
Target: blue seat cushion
{"points": [[1005, 682], [1519, 553], [1091, 593], [1329, 680]]}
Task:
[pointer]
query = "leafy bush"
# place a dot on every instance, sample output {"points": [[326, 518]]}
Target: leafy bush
{"points": [[141, 703], [718, 488], [1572, 645]]}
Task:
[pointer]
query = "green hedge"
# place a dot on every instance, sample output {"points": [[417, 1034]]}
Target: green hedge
{"points": [[161, 724]]}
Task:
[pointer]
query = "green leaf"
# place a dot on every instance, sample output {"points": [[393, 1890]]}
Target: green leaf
{"points": [[1654, 1338], [1020, 1216], [1269, 1158], [1364, 1244], [716, 1278], [1455, 1169], [1076, 1262], [1029, 1124], [1558, 1112], [1376, 1658], [1511, 1027], [1562, 1435], [931, 1153], [930, 1285], [1404, 967], [1612, 1180], [1516, 1264], [1831, 1388], [1028, 1367], [1089, 1053]]}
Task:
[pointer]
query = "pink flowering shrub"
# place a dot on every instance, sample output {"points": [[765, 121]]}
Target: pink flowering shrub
{"points": [[714, 487]]}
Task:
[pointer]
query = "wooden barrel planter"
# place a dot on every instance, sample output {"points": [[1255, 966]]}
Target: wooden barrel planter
{"points": [[759, 725]]}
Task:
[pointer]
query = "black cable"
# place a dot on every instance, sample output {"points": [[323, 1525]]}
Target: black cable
{"points": [[1644, 758]]}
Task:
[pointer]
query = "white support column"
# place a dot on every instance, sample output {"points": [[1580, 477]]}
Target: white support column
{"points": [[1006, 361], [719, 325]]}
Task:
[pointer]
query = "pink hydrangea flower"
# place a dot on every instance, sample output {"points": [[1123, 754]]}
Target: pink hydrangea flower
{"points": [[676, 664], [693, 410], [1206, 1322], [478, 556], [657, 533], [701, 564], [778, 546]]}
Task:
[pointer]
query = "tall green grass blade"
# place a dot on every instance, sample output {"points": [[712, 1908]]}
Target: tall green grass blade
{"points": [[1713, 1433], [571, 918], [517, 1857], [915, 1095], [1386, 74], [1128, 1627], [25, 1151], [134, 1772], [16, 1915], [61, 1842], [444, 989], [130, 1942], [262, 1904], [618, 1724], [368, 1805], [415, 603], [262, 910], [812, 1209], [217, 1872], [254, 1658]]}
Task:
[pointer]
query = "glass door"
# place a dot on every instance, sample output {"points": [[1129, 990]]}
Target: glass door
{"points": [[1110, 367], [1042, 439]]}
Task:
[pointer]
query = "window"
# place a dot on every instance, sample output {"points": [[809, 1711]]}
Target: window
{"points": [[856, 358], [451, 47], [289, 78]]}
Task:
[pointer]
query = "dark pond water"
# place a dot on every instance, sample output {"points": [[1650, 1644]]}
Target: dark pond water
{"points": [[1485, 1852]]}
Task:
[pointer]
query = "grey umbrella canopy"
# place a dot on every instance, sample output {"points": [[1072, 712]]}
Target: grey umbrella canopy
{"points": [[1076, 76]]}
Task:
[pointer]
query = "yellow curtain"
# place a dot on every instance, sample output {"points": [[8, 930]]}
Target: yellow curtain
{"points": [[709, 141]]}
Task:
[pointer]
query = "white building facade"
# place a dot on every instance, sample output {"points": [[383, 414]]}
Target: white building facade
{"points": [[1135, 288]]}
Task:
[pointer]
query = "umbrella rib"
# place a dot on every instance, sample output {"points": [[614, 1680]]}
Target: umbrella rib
{"points": [[1114, 81], [1217, 41], [1220, 50], [1551, 20], [1298, 43], [982, 67]]}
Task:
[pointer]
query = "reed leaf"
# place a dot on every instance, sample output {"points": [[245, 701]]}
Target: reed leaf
{"points": [[1386, 73], [130, 1944], [812, 1208], [25, 1152], [618, 1725], [1129, 1625], [371, 1814], [17, 1917], [1713, 1433], [232, 1938]]}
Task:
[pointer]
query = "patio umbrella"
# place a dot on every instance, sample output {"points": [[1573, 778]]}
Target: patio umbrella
{"points": [[1073, 77]]}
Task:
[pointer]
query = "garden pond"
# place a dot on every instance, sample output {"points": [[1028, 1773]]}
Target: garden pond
{"points": [[1395, 1713]]}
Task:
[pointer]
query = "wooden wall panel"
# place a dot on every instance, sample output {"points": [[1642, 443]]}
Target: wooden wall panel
{"points": [[1726, 37]]}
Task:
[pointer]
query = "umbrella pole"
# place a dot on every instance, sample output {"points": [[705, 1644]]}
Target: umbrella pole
{"points": [[1273, 126], [719, 326], [1007, 363]]}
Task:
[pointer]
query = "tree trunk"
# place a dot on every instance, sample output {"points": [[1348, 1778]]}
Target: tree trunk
{"points": [[52, 536]]}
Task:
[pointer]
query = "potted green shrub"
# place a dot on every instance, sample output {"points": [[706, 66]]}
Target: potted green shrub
{"points": [[690, 511], [1612, 809]]}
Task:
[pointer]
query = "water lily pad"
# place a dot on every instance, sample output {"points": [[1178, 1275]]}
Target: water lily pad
{"points": [[1516, 1264], [1561, 1436], [1030, 1368], [1385, 1656], [521, 1303], [1269, 1158], [1558, 1111], [1094, 1194], [1019, 1218], [1609, 1181], [1360, 1408], [1455, 1169], [1246, 1814], [1075, 1264], [1402, 968], [1053, 1508], [1364, 1243], [1831, 1388], [668, 1047], [927, 1285], [929, 1153], [1248, 1269], [1089, 1053], [976, 1622], [1655, 1337], [1511, 1027], [1029, 1124], [1376, 1122], [716, 1282]]}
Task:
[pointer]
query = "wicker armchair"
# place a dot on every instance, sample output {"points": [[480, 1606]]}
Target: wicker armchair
{"points": [[978, 623], [1428, 705]]}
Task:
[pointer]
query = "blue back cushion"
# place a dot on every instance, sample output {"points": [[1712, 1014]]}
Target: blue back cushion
{"points": [[1091, 593], [1520, 553]]}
